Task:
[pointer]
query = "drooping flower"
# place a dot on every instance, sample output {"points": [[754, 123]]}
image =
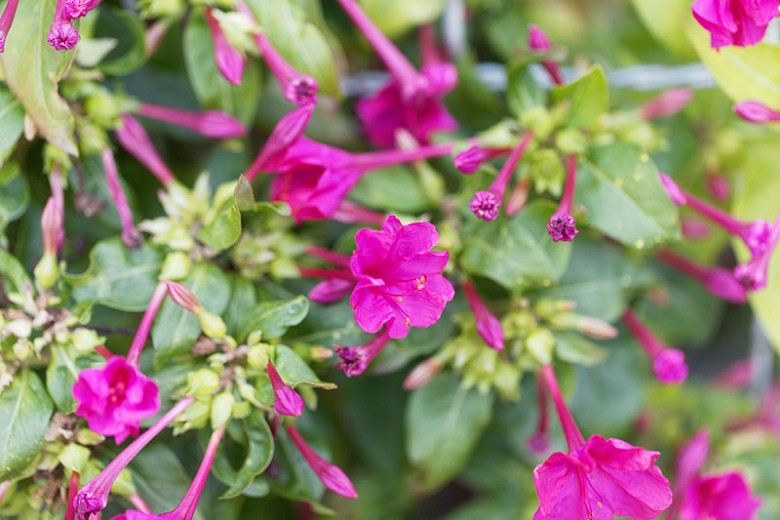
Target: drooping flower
{"points": [[597, 479], [756, 112], [116, 398], [538, 41], [469, 161], [488, 325], [133, 138], [353, 361], [400, 284], [668, 364], [230, 62], [717, 280], [412, 100], [62, 35], [6, 19], [93, 497], [286, 400], [562, 225], [666, 104], [485, 204], [211, 123], [130, 234], [734, 22], [331, 476]]}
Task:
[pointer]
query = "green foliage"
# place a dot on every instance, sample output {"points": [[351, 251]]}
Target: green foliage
{"points": [[395, 18]]}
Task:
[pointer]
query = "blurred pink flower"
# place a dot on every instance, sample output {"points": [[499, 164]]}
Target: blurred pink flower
{"points": [[488, 325], [230, 62], [562, 226], [668, 364], [734, 22]]}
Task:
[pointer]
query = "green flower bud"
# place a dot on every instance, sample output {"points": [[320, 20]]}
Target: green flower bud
{"points": [[74, 457], [22, 349], [202, 383], [103, 109], [92, 138], [177, 266], [540, 344], [546, 307], [85, 340], [87, 437], [539, 120], [258, 355], [47, 271], [221, 409], [213, 326], [53, 155], [241, 409], [193, 418], [546, 171]]}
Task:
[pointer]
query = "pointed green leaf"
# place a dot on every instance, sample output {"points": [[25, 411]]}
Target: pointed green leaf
{"points": [[273, 318], [295, 371], [396, 17], [588, 97], [13, 272], [260, 451], [224, 229]]}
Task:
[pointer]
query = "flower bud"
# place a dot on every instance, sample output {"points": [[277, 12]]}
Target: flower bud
{"points": [[222, 409], [201, 383], [85, 340], [422, 374], [213, 326], [540, 344]]}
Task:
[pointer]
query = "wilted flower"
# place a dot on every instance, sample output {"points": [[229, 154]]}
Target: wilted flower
{"points": [[353, 361], [62, 34], [130, 234]]}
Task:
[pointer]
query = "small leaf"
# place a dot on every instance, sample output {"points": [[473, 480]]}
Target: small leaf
{"points": [[245, 197], [274, 318], [260, 451], [13, 272], [295, 371], [129, 51], [393, 189], [243, 297], [11, 120], [25, 409], [224, 229], [588, 97], [578, 350]]}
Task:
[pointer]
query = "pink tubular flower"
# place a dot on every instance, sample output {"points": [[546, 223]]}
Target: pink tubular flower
{"points": [[666, 104], [718, 281], [62, 34], [485, 204], [134, 354], [411, 100], [353, 361], [130, 234], [331, 476], [338, 283], [753, 274], [538, 41], [400, 284], [211, 123], [674, 191], [93, 497], [469, 161], [668, 363], [562, 226], [115, 399], [488, 325], [133, 138], [718, 186], [597, 479], [756, 112], [297, 87], [286, 400], [79, 8], [734, 22], [51, 226], [230, 62], [6, 19]]}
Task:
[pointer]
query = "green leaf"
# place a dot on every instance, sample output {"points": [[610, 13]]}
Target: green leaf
{"points": [[273, 318], [245, 196], [13, 272], [588, 97], [11, 120], [394, 189], [666, 20], [243, 297], [224, 229], [523, 92], [295, 479], [32, 69], [620, 188], [25, 409], [444, 421], [175, 329], [396, 17], [62, 372], [299, 41], [212, 90], [127, 31], [515, 252], [295, 371], [14, 193], [578, 350], [118, 277], [259, 453]]}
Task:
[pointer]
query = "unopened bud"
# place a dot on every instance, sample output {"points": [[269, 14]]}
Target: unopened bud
{"points": [[547, 308], [202, 383], [183, 297], [320, 354], [213, 326], [222, 409], [74, 457], [422, 374], [591, 327], [47, 272], [540, 344]]}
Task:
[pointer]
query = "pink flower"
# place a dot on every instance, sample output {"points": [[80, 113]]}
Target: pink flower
{"points": [[133, 138], [562, 225], [668, 364], [115, 399], [79, 8], [331, 476], [211, 123], [718, 186], [719, 497], [666, 104], [230, 62], [469, 161], [756, 112], [354, 360], [753, 274], [734, 22], [538, 41], [400, 284], [488, 325], [62, 34], [6, 19], [286, 400], [718, 281], [597, 479]]}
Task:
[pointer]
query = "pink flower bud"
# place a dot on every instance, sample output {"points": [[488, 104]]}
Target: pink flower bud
{"points": [[488, 325], [183, 297], [469, 161], [211, 123], [286, 400], [562, 227], [230, 62], [666, 104], [422, 374], [756, 112], [331, 476], [63, 36], [669, 366], [672, 189], [133, 138], [331, 291]]}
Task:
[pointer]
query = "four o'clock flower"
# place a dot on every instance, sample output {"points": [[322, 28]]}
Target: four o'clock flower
{"points": [[756, 112], [93, 497], [488, 325], [485, 204], [598, 478], [666, 104], [331, 476], [79, 8], [668, 363], [6, 19], [562, 226], [213, 326], [286, 400], [62, 34], [718, 281], [469, 161], [130, 234], [734, 22], [133, 138], [400, 284], [411, 100], [353, 361], [230, 62], [211, 123], [297, 87], [538, 41]]}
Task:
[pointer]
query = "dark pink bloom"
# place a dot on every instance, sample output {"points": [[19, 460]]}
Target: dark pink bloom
{"points": [[93, 497], [756, 112], [469, 161], [115, 399], [719, 497], [133, 138], [62, 35], [338, 283], [211, 123], [562, 225], [230, 62], [597, 479], [538, 41], [668, 364], [734, 22], [488, 325], [79, 8], [286, 400], [718, 281], [331, 476], [6, 19], [666, 104], [400, 284], [753, 274], [353, 361]]}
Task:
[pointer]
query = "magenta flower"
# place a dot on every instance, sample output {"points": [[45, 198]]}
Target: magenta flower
{"points": [[338, 283], [753, 274], [79, 8], [562, 225], [62, 34], [756, 112], [6, 19], [488, 325], [93, 497], [130, 234], [133, 138], [115, 399], [354, 360], [485, 204], [734, 22], [331, 476], [400, 284], [674, 191], [668, 364], [538, 41], [411, 100], [469, 161], [230, 62], [718, 281], [718, 186], [597, 479], [666, 104], [719, 497], [211, 123], [286, 400]]}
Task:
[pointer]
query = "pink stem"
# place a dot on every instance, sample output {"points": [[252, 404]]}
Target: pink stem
{"points": [[499, 184], [134, 354], [374, 160], [316, 272], [649, 342], [174, 116], [130, 235], [718, 216], [328, 256], [682, 264], [276, 62], [567, 199], [73, 487], [140, 504], [574, 438], [351, 213]]}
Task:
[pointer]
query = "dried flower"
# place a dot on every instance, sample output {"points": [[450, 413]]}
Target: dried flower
{"points": [[353, 361]]}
